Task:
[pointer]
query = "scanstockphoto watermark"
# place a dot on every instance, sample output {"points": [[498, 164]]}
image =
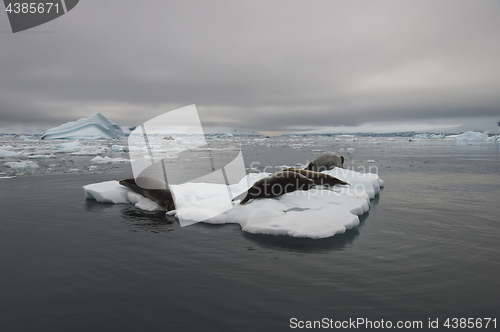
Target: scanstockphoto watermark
{"points": [[27, 14], [360, 169], [350, 172], [357, 323], [470, 323]]}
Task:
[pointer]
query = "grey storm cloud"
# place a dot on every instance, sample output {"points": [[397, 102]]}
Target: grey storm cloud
{"points": [[263, 65]]}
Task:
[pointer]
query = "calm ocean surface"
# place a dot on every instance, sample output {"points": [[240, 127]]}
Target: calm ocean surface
{"points": [[428, 248]]}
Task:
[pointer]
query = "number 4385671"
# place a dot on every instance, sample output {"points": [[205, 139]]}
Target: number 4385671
{"points": [[471, 323], [32, 8]]}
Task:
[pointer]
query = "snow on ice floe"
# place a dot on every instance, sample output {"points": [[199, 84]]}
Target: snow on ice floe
{"points": [[41, 156], [113, 192], [108, 160], [95, 126], [8, 154], [22, 166], [316, 213]]}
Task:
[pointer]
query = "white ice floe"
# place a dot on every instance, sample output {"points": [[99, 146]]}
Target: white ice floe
{"points": [[41, 156], [22, 166], [316, 213], [108, 160], [95, 126], [8, 154], [117, 148], [113, 192], [69, 146]]}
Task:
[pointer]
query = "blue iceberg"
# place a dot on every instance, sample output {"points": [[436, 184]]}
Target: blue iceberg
{"points": [[95, 126]]}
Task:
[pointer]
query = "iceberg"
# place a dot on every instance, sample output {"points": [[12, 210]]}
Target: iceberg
{"points": [[473, 136], [316, 213], [95, 126]]}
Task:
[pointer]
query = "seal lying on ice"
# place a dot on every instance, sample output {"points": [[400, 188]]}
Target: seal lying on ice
{"points": [[277, 184], [326, 162], [320, 179], [152, 188]]}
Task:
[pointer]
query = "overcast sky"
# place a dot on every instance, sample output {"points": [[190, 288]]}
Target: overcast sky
{"points": [[262, 65]]}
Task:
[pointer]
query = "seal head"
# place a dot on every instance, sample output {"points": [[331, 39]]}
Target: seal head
{"points": [[326, 162]]}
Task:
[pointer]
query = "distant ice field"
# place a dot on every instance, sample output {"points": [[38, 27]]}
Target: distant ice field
{"points": [[426, 248]]}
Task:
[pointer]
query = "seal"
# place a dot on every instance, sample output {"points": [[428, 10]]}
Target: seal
{"points": [[277, 184], [326, 162], [152, 188], [319, 179]]}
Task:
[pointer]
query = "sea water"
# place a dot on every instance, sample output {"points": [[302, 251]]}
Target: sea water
{"points": [[427, 249]]}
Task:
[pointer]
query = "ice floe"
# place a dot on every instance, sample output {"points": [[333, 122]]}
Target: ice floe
{"points": [[8, 154], [95, 126], [316, 213], [22, 166], [108, 160], [41, 156]]}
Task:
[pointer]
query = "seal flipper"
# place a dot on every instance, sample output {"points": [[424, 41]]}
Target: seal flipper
{"points": [[244, 195]]}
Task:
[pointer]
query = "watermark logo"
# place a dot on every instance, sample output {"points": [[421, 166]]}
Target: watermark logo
{"points": [[26, 14], [172, 148]]}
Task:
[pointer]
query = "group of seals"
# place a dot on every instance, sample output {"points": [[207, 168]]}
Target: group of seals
{"points": [[292, 179], [277, 184]]}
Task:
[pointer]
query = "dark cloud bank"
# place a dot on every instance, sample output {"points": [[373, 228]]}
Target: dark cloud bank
{"points": [[263, 65]]}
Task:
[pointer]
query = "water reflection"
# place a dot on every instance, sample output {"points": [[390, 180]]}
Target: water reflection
{"points": [[306, 245], [155, 222]]}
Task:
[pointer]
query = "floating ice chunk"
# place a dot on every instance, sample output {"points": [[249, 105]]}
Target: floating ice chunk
{"points": [[473, 136], [95, 126], [69, 146], [350, 150], [436, 136], [316, 213], [370, 161], [84, 153], [117, 148], [20, 166], [107, 192], [41, 156], [113, 192], [8, 154], [108, 160]]}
